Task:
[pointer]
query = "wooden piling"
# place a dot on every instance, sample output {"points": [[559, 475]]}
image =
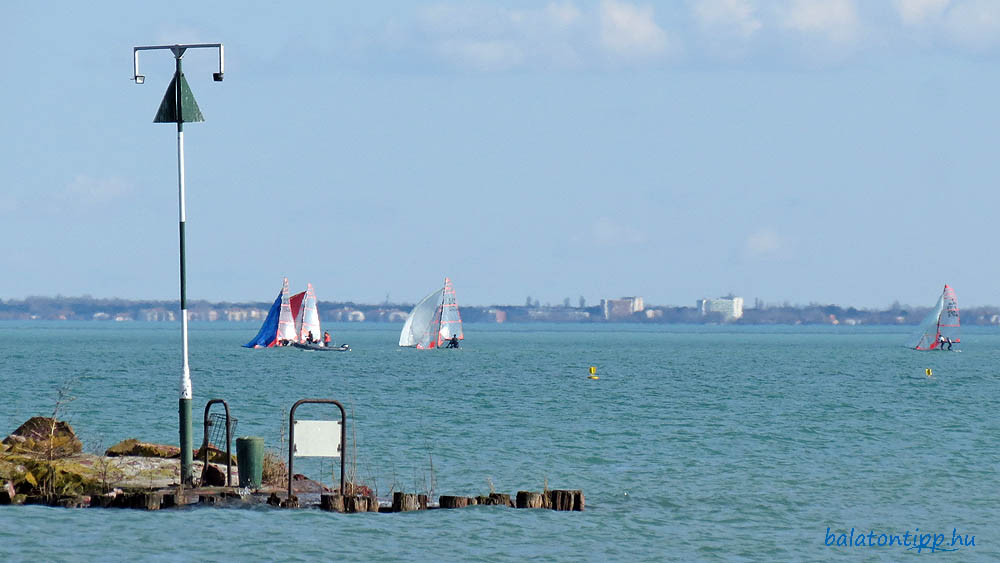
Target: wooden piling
{"points": [[74, 502], [495, 499], [404, 502], [102, 501], [448, 501], [561, 499], [360, 503], [331, 502], [529, 499], [146, 501], [210, 500]]}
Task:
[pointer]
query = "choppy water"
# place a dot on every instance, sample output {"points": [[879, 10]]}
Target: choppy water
{"points": [[710, 443]]}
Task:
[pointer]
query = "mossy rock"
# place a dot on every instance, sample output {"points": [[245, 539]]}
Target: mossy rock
{"points": [[44, 436], [58, 478], [133, 447], [215, 455]]}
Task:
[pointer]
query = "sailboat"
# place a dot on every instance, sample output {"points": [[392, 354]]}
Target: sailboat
{"points": [[434, 321], [307, 323], [939, 331], [289, 322]]}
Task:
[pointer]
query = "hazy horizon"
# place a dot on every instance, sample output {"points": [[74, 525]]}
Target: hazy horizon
{"points": [[831, 151], [748, 303]]}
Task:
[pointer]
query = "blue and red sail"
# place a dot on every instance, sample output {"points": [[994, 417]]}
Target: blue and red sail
{"points": [[268, 334], [280, 324]]}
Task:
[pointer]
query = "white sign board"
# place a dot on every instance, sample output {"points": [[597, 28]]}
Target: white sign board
{"points": [[317, 438]]}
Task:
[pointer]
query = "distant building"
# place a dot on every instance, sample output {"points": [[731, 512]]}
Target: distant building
{"points": [[158, 314], [616, 309], [730, 307], [243, 315], [396, 316]]}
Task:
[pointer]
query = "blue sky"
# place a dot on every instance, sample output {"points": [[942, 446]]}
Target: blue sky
{"points": [[833, 151]]}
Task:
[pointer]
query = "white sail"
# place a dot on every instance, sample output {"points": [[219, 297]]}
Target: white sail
{"points": [[942, 324], [309, 317], [450, 321], [417, 328], [286, 323]]}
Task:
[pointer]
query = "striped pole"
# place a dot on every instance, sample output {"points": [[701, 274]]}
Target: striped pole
{"points": [[184, 403], [171, 111]]}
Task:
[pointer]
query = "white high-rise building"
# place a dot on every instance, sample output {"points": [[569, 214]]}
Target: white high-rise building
{"points": [[730, 307], [621, 308]]}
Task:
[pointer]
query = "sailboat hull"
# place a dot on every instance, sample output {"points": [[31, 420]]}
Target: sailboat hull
{"points": [[317, 347]]}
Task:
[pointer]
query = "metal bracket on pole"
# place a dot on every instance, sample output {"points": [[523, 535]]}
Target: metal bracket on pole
{"points": [[178, 51]]}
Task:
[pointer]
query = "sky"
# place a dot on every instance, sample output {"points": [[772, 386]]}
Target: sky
{"points": [[800, 151]]}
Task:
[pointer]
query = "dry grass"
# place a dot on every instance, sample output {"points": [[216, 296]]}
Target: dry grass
{"points": [[275, 470]]}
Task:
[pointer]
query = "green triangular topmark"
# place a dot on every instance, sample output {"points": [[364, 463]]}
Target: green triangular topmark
{"points": [[168, 107]]}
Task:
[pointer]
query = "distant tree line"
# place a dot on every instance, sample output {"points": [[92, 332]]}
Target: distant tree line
{"points": [[89, 308]]}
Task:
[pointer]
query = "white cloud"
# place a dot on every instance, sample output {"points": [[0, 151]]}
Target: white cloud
{"points": [[481, 55], [631, 31], [764, 242], [836, 20], [728, 28], [915, 12], [974, 24], [732, 17], [607, 232], [574, 34], [87, 190], [493, 38], [562, 14]]}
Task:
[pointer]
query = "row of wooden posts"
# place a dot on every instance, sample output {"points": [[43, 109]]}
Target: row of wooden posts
{"points": [[401, 502], [406, 502]]}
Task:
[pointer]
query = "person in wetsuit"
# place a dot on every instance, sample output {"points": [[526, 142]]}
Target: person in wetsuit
{"points": [[453, 343]]}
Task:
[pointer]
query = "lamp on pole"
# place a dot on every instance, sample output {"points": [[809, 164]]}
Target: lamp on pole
{"points": [[178, 106]]}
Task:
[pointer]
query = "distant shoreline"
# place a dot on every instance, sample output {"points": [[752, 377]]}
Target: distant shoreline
{"points": [[87, 309]]}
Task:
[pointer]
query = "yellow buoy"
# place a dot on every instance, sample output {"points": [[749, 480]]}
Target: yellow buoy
{"points": [[592, 377], [593, 370], [928, 372]]}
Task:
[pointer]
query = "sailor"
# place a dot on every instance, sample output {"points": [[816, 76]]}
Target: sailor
{"points": [[326, 338], [949, 342], [453, 343], [309, 337], [942, 341]]}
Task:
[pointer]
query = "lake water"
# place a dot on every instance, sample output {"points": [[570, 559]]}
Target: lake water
{"points": [[696, 443]]}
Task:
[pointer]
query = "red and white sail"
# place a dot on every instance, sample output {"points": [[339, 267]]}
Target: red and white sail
{"points": [[286, 320], [308, 320], [449, 321], [434, 320], [941, 324]]}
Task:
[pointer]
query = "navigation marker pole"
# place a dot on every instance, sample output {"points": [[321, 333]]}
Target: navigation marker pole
{"points": [[178, 105]]}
